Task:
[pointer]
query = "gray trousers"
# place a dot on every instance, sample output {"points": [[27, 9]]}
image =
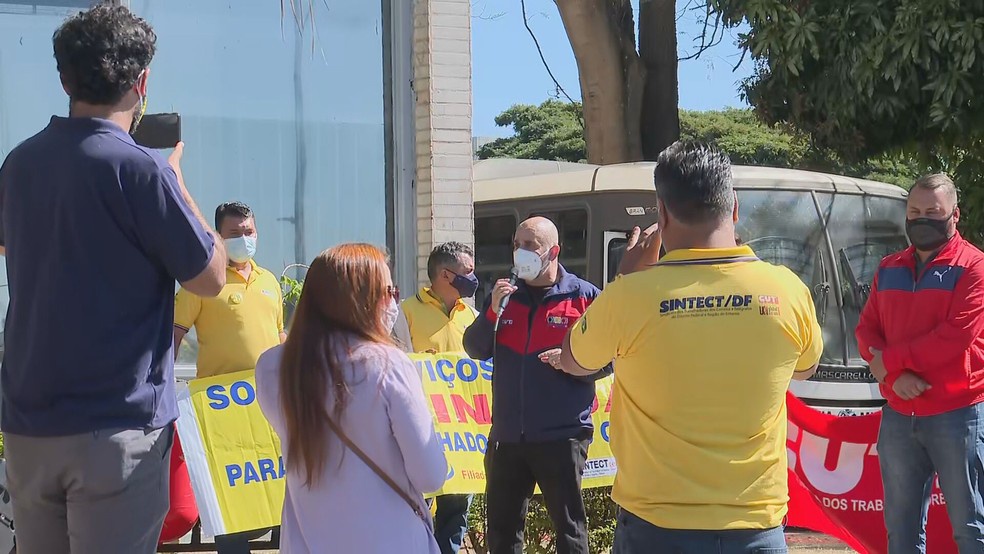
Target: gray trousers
{"points": [[104, 492]]}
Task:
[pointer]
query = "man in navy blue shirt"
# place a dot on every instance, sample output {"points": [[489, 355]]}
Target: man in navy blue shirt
{"points": [[95, 230]]}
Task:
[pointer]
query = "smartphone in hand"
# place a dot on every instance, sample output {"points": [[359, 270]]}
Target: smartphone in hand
{"points": [[158, 130]]}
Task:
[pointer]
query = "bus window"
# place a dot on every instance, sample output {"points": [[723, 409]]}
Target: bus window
{"points": [[572, 225], [877, 229], [782, 227], [615, 243], [493, 251]]}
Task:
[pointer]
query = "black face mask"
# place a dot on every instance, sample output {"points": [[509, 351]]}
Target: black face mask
{"points": [[466, 285], [927, 234]]}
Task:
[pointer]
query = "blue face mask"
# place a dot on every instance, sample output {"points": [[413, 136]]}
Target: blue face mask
{"points": [[466, 285], [241, 249]]}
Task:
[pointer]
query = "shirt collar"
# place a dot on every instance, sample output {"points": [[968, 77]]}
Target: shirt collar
{"points": [[708, 256], [946, 252], [255, 272], [427, 296], [89, 125]]}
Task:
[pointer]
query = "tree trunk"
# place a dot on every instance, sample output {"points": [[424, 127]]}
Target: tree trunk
{"points": [[660, 120], [610, 77]]}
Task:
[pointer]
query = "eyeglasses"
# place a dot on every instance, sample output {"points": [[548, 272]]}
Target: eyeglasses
{"points": [[394, 292]]}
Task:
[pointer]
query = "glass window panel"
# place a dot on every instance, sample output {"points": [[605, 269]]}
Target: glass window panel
{"points": [[863, 230], [493, 251], [572, 227], [616, 249], [294, 128], [783, 228]]}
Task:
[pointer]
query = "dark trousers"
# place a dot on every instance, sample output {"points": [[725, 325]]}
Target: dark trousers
{"points": [[513, 470], [633, 535]]}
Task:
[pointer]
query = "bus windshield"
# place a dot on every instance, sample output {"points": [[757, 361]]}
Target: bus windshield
{"points": [[783, 227], [863, 230]]}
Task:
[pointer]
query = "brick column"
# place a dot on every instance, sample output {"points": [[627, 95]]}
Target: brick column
{"points": [[442, 82]]}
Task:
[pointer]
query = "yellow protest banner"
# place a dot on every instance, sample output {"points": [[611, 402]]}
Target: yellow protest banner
{"points": [[237, 469], [459, 391], [234, 452]]}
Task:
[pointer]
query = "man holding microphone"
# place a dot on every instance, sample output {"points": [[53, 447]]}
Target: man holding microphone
{"points": [[541, 417]]}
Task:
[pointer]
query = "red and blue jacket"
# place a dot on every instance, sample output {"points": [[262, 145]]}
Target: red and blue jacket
{"points": [[931, 324], [532, 401]]}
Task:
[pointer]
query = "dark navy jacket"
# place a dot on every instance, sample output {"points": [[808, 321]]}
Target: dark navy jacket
{"points": [[532, 401]]}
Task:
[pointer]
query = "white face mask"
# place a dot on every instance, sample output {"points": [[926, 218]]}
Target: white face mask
{"points": [[390, 315], [241, 249], [529, 265]]}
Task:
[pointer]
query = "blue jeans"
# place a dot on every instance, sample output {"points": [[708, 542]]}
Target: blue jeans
{"points": [[910, 450], [634, 535], [451, 521]]}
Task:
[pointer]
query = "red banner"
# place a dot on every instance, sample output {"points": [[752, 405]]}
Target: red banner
{"points": [[835, 482], [183, 512]]}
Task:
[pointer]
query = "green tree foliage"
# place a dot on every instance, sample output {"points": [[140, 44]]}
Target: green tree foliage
{"points": [[744, 138], [551, 131], [868, 77]]}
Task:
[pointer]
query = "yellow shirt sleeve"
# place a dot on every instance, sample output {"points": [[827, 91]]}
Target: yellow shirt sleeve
{"points": [[811, 336], [187, 306], [595, 338]]}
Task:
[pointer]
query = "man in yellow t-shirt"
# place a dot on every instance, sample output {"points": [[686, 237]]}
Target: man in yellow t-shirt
{"points": [[705, 342], [437, 318], [245, 320]]}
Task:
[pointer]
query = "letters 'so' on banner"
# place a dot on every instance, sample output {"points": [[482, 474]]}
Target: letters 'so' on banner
{"points": [[237, 469], [232, 454]]}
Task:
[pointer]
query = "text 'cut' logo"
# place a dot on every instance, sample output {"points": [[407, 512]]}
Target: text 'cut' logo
{"points": [[768, 304]]}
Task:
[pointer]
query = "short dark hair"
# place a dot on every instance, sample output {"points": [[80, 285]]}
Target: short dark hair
{"points": [[446, 255], [693, 179], [237, 209], [101, 52]]}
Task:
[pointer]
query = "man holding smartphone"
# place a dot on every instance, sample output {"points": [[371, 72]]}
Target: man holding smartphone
{"points": [[96, 230]]}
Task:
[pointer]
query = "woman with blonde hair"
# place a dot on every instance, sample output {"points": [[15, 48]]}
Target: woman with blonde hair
{"points": [[358, 440]]}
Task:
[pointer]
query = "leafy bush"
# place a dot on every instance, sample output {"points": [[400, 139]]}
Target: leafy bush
{"points": [[291, 289], [540, 537]]}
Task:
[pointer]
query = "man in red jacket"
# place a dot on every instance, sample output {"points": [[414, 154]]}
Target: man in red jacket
{"points": [[922, 333]]}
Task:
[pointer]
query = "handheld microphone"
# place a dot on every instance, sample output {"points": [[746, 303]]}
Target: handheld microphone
{"points": [[505, 299]]}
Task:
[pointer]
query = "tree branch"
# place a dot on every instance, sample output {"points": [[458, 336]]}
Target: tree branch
{"points": [[715, 38], [539, 50], [684, 10], [484, 16], [301, 18]]}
